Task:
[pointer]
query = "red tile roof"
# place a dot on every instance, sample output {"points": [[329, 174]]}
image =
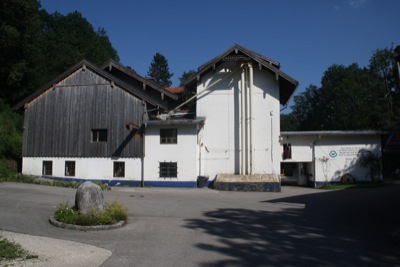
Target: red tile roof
{"points": [[175, 90]]}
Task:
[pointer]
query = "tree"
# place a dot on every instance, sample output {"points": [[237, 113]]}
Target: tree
{"points": [[288, 122], [159, 71], [310, 110], [10, 132], [383, 65], [36, 46], [19, 31], [186, 76], [350, 98], [71, 38]]}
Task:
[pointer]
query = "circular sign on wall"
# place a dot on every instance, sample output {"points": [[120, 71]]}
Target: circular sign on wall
{"points": [[333, 154]]}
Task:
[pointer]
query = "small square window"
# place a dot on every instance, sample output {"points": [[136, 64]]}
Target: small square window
{"points": [[47, 168], [168, 169], [168, 136], [119, 169], [70, 168], [99, 136], [287, 151]]}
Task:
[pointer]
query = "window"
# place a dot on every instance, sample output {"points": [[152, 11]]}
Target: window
{"points": [[47, 168], [99, 136], [168, 136], [168, 169], [287, 151], [70, 168], [119, 169]]}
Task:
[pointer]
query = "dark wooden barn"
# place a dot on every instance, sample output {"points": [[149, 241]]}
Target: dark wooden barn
{"points": [[88, 112]]}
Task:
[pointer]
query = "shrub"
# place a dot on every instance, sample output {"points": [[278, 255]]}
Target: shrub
{"points": [[113, 213]]}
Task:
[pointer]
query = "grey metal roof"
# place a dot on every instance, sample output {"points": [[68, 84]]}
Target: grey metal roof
{"points": [[130, 72], [198, 120], [332, 133]]}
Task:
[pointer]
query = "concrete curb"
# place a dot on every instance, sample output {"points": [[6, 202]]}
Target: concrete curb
{"points": [[59, 224]]}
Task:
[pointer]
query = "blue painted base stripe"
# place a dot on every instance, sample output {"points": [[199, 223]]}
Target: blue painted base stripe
{"points": [[134, 183]]}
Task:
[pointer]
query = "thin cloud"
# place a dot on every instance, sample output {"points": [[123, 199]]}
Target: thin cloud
{"points": [[357, 3]]}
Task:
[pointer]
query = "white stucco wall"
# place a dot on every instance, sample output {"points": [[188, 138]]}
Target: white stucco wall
{"points": [[335, 155], [85, 168], [221, 135], [184, 153]]}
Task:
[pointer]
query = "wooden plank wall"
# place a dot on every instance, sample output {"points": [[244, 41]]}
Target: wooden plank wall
{"points": [[58, 123]]}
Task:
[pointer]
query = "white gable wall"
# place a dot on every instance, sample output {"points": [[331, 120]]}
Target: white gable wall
{"points": [[183, 153], [221, 135]]}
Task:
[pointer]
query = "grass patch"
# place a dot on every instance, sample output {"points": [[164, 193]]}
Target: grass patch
{"points": [[11, 251], [350, 186], [112, 214]]}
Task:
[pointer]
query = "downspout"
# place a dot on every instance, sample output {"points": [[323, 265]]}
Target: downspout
{"points": [[242, 113], [251, 115], [142, 161]]}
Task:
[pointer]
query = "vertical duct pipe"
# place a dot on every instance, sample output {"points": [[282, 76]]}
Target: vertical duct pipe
{"points": [[242, 126], [250, 79]]}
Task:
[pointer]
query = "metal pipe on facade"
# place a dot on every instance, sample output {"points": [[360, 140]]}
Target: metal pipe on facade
{"points": [[250, 79], [242, 128]]}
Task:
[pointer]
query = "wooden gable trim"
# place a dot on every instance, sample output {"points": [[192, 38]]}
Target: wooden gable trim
{"points": [[146, 83], [84, 64]]}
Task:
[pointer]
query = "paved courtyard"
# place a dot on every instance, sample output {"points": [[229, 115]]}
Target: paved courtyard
{"points": [[203, 227]]}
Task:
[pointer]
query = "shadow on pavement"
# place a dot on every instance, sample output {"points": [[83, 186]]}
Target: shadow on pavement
{"points": [[334, 228]]}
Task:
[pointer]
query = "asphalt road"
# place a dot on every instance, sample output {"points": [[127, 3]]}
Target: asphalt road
{"points": [[202, 227]]}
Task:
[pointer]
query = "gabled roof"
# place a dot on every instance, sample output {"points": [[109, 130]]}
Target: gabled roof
{"points": [[287, 85], [131, 73], [88, 65]]}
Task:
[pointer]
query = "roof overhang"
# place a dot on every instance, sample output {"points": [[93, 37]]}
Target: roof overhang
{"points": [[287, 84], [197, 121], [332, 133]]}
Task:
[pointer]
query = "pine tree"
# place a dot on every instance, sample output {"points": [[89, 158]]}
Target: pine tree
{"points": [[159, 71]]}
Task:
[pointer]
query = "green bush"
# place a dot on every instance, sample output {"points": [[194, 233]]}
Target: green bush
{"points": [[117, 211], [113, 213], [10, 132]]}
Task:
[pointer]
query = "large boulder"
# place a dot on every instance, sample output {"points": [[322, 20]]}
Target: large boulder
{"points": [[89, 197]]}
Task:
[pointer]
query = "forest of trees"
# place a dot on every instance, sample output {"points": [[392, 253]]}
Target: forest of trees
{"points": [[36, 47], [350, 98]]}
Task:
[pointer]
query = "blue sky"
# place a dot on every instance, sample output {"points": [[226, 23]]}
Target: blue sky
{"points": [[306, 37]]}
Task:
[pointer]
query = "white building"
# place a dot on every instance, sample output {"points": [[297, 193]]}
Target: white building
{"points": [[112, 125], [315, 158]]}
